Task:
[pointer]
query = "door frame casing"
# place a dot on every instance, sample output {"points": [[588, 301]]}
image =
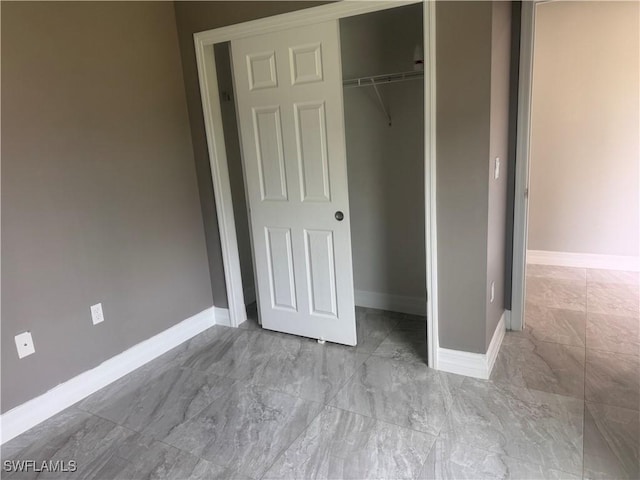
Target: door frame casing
{"points": [[523, 149], [207, 76]]}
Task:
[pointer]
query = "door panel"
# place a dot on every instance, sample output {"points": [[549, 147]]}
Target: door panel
{"points": [[321, 270], [269, 153], [311, 137], [280, 255], [290, 114]]}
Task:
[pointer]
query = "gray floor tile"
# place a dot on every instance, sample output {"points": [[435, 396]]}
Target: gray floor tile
{"points": [[407, 341], [42, 433], [140, 457], [344, 445], [214, 356], [536, 427], [612, 276], [373, 326], [556, 293], [611, 442], [76, 436], [558, 273], [449, 460], [168, 361], [555, 325], [613, 379], [239, 354], [307, 369], [246, 428], [252, 318], [544, 366], [403, 393], [613, 333], [157, 407], [613, 299]]}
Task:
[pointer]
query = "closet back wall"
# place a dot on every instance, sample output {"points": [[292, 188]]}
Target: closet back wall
{"points": [[385, 163]]}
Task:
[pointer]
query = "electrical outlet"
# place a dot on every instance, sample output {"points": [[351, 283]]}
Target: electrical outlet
{"points": [[496, 169], [24, 344], [96, 313]]}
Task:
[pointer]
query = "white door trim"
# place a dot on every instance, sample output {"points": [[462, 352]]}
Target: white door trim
{"points": [[523, 134], [204, 46]]}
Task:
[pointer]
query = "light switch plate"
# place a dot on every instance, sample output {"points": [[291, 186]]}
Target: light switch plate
{"points": [[24, 344]]}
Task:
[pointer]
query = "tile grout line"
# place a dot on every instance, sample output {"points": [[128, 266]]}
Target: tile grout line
{"points": [[584, 391]]}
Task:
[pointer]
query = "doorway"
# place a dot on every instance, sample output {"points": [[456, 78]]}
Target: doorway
{"points": [[402, 225]]}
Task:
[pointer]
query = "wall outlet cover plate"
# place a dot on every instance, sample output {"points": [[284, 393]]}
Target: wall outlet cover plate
{"points": [[24, 344], [96, 313]]}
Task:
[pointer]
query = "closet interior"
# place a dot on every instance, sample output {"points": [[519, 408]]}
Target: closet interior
{"points": [[383, 95]]}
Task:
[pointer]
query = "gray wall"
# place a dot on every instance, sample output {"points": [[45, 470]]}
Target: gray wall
{"points": [[464, 66], [385, 163], [498, 147], [193, 17], [99, 193], [473, 45], [463, 69], [585, 131]]}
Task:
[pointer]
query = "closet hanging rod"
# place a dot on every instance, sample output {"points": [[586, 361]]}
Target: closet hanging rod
{"points": [[382, 79]]}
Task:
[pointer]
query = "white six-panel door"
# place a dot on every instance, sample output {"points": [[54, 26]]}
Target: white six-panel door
{"points": [[290, 112]]}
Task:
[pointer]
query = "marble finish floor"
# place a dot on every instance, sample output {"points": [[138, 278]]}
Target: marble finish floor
{"points": [[248, 403], [582, 342]]}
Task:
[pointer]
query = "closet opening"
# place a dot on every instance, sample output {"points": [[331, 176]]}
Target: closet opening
{"points": [[381, 57], [383, 92]]}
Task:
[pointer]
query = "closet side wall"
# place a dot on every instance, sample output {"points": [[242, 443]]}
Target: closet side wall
{"points": [[385, 163], [498, 147], [463, 76]]}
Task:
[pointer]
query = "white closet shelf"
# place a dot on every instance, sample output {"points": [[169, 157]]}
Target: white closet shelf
{"points": [[382, 79], [376, 80]]}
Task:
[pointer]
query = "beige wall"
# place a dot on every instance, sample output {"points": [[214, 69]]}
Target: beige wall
{"points": [[385, 163], [585, 131], [99, 193]]}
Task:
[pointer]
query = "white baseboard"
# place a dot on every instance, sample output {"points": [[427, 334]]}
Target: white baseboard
{"points": [[393, 303], [222, 316], [476, 365], [31, 413], [583, 260]]}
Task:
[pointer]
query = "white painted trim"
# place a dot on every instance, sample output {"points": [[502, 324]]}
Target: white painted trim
{"points": [[222, 316], [476, 365], [523, 134], [221, 184], [583, 260], [205, 58], [31, 413], [431, 231], [393, 303], [496, 342]]}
